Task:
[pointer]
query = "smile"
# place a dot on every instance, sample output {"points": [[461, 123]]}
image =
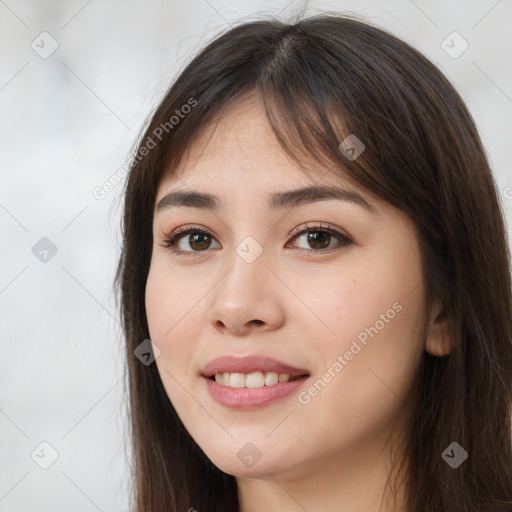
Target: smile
{"points": [[253, 380]]}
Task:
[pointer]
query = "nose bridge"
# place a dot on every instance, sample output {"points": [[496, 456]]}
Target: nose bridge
{"points": [[248, 264], [243, 296]]}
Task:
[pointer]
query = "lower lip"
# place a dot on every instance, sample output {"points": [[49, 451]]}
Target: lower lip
{"points": [[246, 398]]}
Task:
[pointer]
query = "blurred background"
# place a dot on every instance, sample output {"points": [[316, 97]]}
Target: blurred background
{"points": [[77, 81]]}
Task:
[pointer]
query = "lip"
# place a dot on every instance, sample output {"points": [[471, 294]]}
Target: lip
{"points": [[250, 398], [250, 364]]}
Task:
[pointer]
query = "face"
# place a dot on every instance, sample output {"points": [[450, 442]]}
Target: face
{"points": [[330, 291]]}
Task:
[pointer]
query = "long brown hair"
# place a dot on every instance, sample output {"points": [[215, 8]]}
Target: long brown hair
{"points": [[321, 79]]}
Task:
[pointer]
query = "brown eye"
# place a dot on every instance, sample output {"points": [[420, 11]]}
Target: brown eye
{"points": [[199, 241], [318, 239], [193, 240], [188, 240]]}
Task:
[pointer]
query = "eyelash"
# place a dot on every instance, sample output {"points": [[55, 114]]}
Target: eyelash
{"points": [[170, 241]]}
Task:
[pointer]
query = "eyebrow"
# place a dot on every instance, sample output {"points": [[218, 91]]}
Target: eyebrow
{"points": [[275, 201]]}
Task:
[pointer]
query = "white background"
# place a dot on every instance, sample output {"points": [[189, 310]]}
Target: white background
{"points": [[67, 125]]}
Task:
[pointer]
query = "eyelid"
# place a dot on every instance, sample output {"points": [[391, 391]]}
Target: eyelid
{"points": [[170, 240], [178, 233], [317, 225]]}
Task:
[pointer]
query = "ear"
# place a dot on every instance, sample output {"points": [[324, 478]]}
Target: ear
{"points": [[437, 339]]}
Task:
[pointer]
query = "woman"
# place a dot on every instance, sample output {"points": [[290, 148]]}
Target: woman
{"points": [[314, 245]]}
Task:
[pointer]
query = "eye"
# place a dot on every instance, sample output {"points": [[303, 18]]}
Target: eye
{"points": [[317, 236], [200, 241]]}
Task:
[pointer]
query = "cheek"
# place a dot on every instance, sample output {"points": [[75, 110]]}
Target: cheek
{"points": [[371, 314], [379, 339], [171, 328], [170, 299], [359, 396], [171, 310], [355, 302]]}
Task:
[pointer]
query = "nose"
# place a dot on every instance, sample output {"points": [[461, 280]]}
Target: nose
{"points": [[247, 299]]}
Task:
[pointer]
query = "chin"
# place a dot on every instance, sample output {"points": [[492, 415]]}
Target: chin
{"points": [[235, 468], [248, 451], [247, 461]]}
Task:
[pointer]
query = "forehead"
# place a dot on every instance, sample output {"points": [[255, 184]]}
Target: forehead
{"points": [[238, 158], [239, 148]]}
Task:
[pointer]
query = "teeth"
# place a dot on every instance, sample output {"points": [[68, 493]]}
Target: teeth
{"points": [[271, 378], [252, 380], [237, 380]]}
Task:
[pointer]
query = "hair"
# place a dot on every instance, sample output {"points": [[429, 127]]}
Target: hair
{"points": [[319, 80]]}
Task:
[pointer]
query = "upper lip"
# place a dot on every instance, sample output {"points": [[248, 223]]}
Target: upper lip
{"points": [[250, 364]]}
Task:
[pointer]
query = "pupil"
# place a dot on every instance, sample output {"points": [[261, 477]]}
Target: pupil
{"points": [[318, 236], [194, 240]]}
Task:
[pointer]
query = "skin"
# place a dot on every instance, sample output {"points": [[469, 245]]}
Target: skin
{"points": [[333, 453]]}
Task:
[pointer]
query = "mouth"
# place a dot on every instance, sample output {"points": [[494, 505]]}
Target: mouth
{"points": [[246, 382], [251, 371], [257, 379]]}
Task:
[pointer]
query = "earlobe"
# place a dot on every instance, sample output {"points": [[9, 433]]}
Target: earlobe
{"points": [[438, 341]]}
